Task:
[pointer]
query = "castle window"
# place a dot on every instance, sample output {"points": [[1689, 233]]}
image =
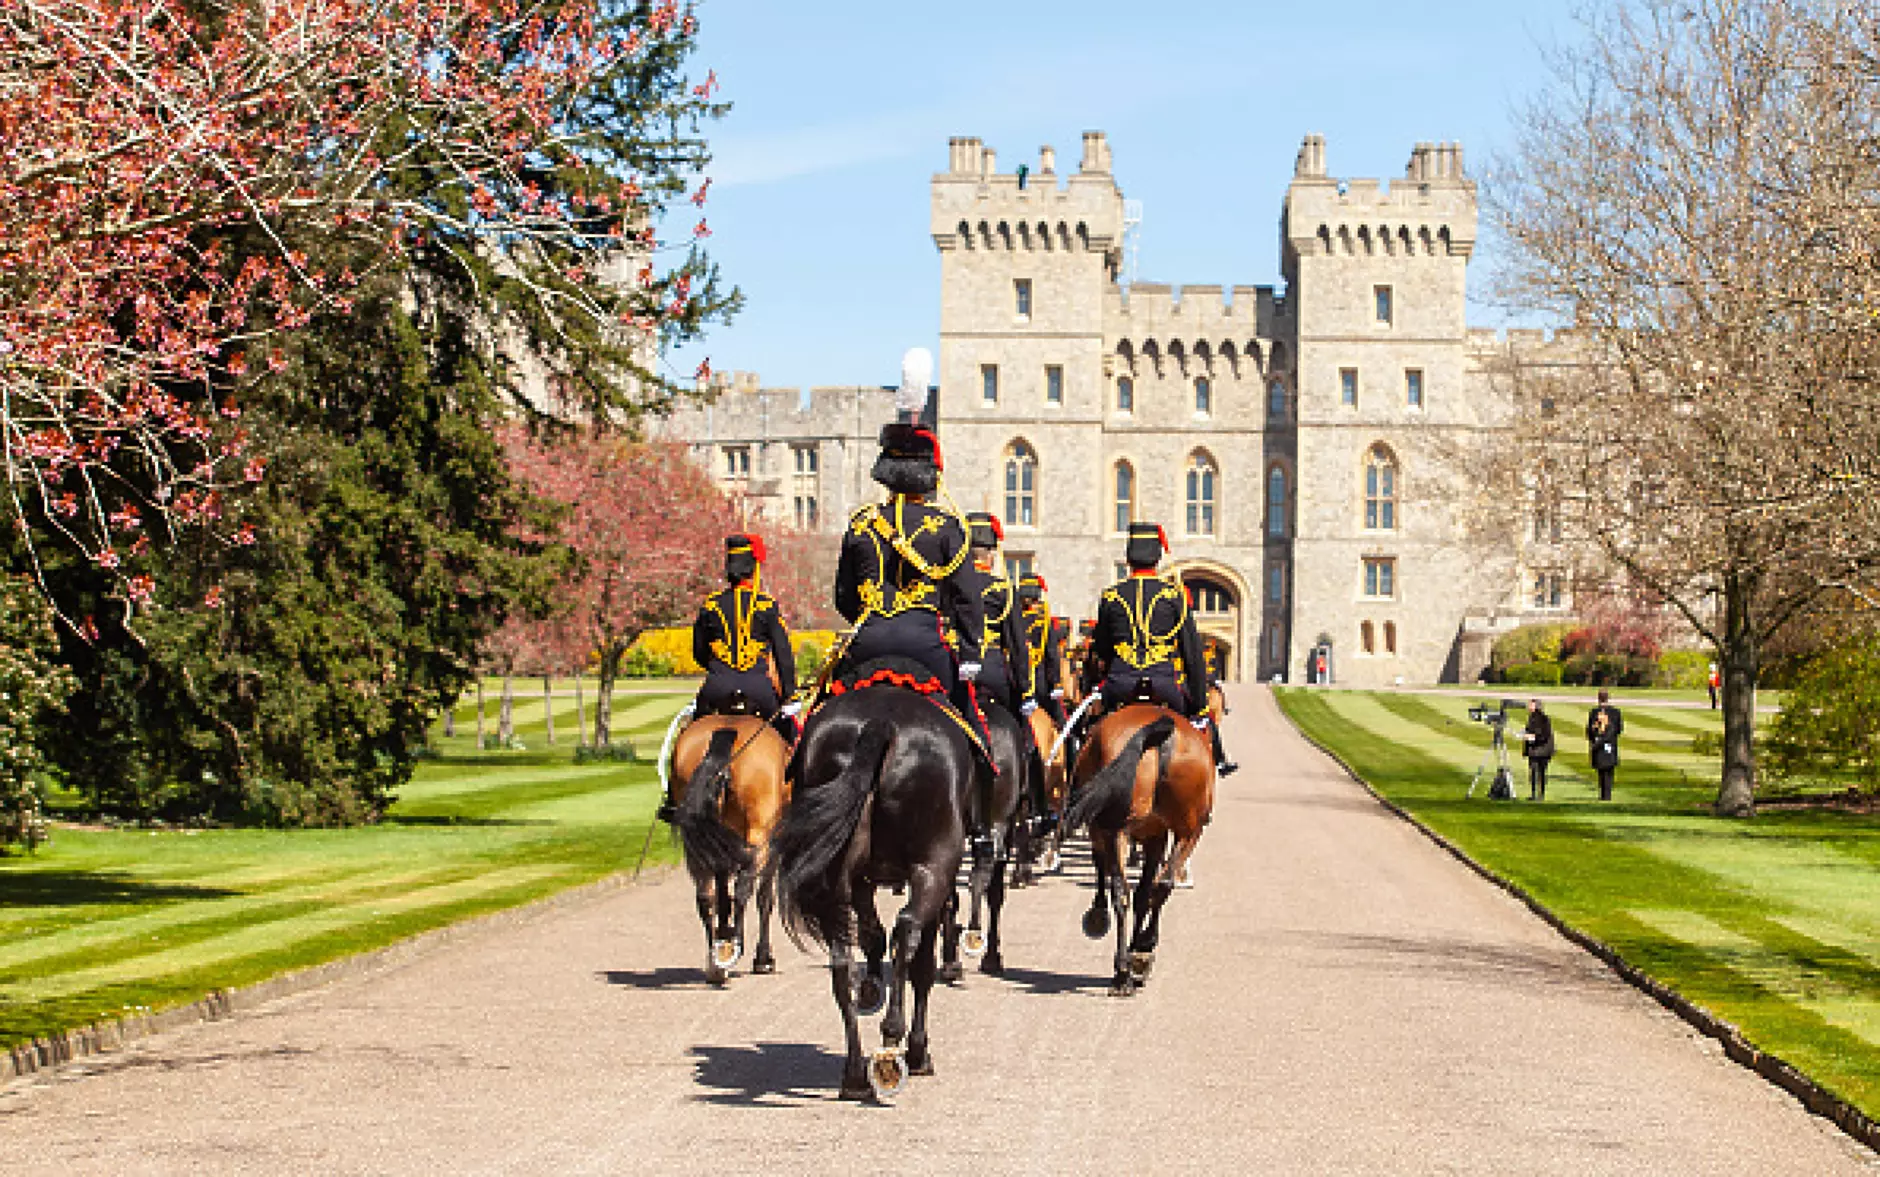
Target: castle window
{"points": [[1413, 387], [1549, 590], [807, 459], [806, 512], [1202, 477], [1053, 384], [1380, 490], [1275, 642], [1276, 401], [1390, 637], [1276, 503], [1384, 307], [1022, 290], [1210, 599], [1125, 395], [1204, 397], [1348, 386], [1017, 566], [1367, 638], [1125, 496], [1276, 585], [1021, 485], [989, 383], [738, 461], [1122, 570], [1380, 578]]}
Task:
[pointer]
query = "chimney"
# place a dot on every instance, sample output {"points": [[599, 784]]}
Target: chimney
{"points": [[1310, 164], [988, 162], [1096, 153], [963, 156], [1047, 161]]}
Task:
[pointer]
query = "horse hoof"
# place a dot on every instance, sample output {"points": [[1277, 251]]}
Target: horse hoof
{"points": [[855, 1089], [870, 996], [763, 965], [923, 1067], [993, 965], [1185, 881], [1096, 923], [974, 942], [887, 1074], [727, 953], [950, 973], [1140, 963], [716, 975], [1123, 986]]}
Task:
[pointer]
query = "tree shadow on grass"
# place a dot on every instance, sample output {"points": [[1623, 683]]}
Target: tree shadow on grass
{"points": [[766, 1074], [448, 819], [68, 888]]}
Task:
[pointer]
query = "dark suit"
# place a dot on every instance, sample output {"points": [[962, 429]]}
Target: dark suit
{"points": [[1145, 631], [737, 638], [1539, 750], [1603, 727]]}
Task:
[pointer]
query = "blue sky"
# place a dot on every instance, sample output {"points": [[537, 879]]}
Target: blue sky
{"points": [[842, 112]]}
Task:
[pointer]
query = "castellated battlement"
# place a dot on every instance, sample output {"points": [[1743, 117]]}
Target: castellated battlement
{"points": [[1429, 212], [975, 206], [1155, 310]]}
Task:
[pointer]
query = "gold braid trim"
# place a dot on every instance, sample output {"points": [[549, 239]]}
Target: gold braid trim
{"points": [[742, 653], [1146, 647], [876, 601]]}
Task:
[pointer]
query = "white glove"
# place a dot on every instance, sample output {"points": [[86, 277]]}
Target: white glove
{"points": [[1028, 706], [793, 708], [1200, 722], [1058, 693], [969, 671]]}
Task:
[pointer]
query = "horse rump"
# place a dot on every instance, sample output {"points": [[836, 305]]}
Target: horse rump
{"points": [[814, 835], [711, 848], [1114, 783]]}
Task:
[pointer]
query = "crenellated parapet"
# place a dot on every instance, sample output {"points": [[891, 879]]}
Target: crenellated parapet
{"points": [[977, 207], [1429, 212], [1195, 325]]}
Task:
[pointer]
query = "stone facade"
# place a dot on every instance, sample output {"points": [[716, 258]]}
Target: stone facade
{"points": [[1305, 449]]}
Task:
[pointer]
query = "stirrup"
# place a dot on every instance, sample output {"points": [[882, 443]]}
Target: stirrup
{"points": [[667, 812]]}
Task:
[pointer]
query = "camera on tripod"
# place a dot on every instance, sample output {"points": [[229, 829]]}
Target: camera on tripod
{"points": [[1495, 715]]}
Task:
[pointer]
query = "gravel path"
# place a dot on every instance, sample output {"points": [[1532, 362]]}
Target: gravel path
{"points": [[1338, 996]]}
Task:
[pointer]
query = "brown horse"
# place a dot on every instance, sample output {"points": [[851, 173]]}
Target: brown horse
{"points": [[1121, 794], [1044, 733], [734, 794]]}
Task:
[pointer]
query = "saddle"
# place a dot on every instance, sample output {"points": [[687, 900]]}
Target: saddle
{"points": [[892, 671]]}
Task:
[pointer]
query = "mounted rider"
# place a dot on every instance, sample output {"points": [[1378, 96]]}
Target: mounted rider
{"points": [[1044, 636], [1146, 635], [740, 640], [1005, 662], [904, 566]]}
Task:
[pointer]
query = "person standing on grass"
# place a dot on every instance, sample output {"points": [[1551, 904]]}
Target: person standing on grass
{"points": [[1539, 741], [1603, 726], [1714, 681]]}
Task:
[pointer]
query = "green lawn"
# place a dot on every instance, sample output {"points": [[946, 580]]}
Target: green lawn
{"points": [[101, 920], [1772, 923]]}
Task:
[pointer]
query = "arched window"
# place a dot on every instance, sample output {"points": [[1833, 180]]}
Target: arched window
{"points": [[1380, 490], [1204, 396], [1390, 637], [1202, 480], [1021, 485], [1125, 496], [1367, 638], [1276, 400], [1125, 395], [1276, 503]]}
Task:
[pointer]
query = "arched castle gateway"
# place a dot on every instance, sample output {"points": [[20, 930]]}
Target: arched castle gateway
{"points": [[1299, 446]]}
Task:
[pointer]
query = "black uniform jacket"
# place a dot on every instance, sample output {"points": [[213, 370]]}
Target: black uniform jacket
{"points": [[1045, 635], [875, 578], [738, 631], [1144, 629], [1602, 732], [1003, 655]]}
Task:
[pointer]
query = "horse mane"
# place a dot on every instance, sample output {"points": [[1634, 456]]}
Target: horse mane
{"points": [[710, 848], [1115, 782]]}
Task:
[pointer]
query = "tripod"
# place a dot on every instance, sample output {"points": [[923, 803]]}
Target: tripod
{"points": [[1502, 788]]}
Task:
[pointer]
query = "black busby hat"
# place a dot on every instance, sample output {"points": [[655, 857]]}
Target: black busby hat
{"points": [[1031, 588], [743, 553], [1147, 543], [910, 459], [985, 528]]}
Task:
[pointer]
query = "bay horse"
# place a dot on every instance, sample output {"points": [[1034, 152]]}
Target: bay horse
{"points": [[994, 806], [881, 779], [1123, 794], [1050, 772], [735, 791]]}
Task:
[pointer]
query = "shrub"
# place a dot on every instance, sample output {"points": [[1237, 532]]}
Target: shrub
{"points": [[1829, 726], [645, 662], [32, 687], [1528, 644], [668, 651], [606, 753], [1684, 669], [1608, 670], [1533, 674]]}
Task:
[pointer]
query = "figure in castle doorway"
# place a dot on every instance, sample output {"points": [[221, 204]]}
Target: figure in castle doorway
{"points": [[1146, 635]]}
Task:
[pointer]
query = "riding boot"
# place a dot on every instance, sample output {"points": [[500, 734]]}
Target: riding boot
{"points": [[668, 810], [1222, 764]]}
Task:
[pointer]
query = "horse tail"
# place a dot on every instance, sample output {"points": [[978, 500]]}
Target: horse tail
{"points": [[711, 848], [815, 834], [1115, 782]]}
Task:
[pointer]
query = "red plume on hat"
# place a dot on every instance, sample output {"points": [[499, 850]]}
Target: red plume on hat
{"points": [[757, 548], [998, 528], [1162, 535], [1042, 586]]}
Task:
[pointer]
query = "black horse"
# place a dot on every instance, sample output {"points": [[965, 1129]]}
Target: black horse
{"points": [[995, 809], [881, 781]]}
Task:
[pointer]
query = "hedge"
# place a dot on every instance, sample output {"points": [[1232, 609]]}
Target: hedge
{"points": [[661, 653]]}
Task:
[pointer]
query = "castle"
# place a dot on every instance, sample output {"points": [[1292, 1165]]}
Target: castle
{"points": [[1299, 446]]}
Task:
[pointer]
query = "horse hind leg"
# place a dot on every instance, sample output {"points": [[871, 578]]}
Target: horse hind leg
{"points": [[705, 897], [855, 1066], [993, 963], [918, 920], [951, 971], [1151, 890], [1122, 984], [765, 961], [874, 941], [919, 1054], [740, 903]]}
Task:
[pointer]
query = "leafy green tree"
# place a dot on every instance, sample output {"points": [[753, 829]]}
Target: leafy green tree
{"points": [[32, 686], [1829, 727]]}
